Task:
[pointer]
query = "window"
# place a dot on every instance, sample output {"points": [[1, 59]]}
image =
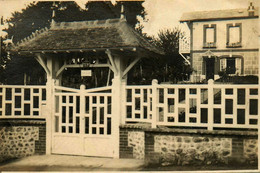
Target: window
{"points": [[209, 33], [234, 35], [231, 65]]}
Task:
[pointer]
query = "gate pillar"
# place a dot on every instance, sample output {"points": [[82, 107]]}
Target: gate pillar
{"points": [[52, 80]]}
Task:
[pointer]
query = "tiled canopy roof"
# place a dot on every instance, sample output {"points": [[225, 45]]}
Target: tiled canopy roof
{"points": [[85, 35], [217, 14]]}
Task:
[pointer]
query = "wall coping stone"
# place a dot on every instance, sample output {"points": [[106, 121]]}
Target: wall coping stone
{"points": [[146, 128], [13, 122]]}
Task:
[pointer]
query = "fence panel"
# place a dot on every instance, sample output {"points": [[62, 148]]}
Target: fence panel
{"points": [[208, 105], [22, 101], [138, 103]]}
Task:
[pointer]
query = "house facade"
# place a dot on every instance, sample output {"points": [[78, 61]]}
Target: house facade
{"points": [[223, 41]]}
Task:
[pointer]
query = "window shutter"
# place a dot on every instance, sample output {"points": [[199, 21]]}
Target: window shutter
{"points": [[203, 66], [223, 64], [217, 65], [238, 66]]}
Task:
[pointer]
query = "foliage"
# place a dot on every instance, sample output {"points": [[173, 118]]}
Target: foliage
{"points": [[4, 59], [38, 15], [168, 68]]}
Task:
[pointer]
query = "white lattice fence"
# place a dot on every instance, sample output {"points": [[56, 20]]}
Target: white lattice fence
{"points": [[22, 101], [209, 105]]}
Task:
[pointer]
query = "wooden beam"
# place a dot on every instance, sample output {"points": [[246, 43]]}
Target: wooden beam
{"points": [[61, 70], [39, 58], [79, 66], [108, 76], [83, 65], [131, 66], [114, 69]]}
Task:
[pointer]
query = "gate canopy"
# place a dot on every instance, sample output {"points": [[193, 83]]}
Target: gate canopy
{"points": [[83, 36], [112, 40]]}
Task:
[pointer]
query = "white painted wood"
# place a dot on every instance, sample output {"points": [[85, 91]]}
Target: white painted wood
{"points": [[154, 103], [210, 106], [43, 63], [87, 142], [15, 94], [131, 66], [112, 61]]}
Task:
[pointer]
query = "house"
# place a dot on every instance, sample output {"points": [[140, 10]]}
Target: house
{"points": [[161, 123], [222, 41]]}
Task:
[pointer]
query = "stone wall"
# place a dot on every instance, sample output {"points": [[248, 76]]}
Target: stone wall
{"points": [[188, 147], [21, 138], [250, 152], [136, 140], [184, 150]]}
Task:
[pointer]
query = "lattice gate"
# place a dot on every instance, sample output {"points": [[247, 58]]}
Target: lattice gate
{"points": [[82, 122]]}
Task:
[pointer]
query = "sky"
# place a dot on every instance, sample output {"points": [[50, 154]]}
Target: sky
{"points": [[161, 14], [165, 14]]}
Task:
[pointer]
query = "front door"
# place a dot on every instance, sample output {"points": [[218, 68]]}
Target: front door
{"points": [[210, 64], [82, 123]]}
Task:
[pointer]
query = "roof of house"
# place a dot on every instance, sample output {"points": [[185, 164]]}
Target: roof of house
{"points": [[85, 35], [217, 14]]}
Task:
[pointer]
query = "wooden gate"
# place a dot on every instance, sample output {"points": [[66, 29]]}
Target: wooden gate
{"points": [[82, 122]]}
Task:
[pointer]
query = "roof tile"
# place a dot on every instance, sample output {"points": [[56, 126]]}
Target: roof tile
{"points": [[217, 14], [111, 33]]}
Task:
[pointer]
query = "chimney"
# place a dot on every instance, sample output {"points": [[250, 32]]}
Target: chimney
{"points": [[2, 21], [251, 10]]}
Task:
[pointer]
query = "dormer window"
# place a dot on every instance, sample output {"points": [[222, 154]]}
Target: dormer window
{"points": [[234, 35], [210, 36]]}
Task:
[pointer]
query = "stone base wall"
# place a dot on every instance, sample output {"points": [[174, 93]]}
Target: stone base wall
{"points": [[184, 150], [131, 143], [21, 138], [188, 147]]}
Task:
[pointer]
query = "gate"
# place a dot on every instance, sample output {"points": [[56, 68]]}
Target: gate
{"points": [[82, 122]]}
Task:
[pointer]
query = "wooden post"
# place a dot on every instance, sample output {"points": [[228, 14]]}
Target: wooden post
{"points": [[123, 103], [154, 102], [258, 119], [116, 104], [49, 106], [82, 108], [210, 103], [52, 65]]}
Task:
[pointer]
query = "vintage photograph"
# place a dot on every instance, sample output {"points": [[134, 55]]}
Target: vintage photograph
{"points": [[145, 85]]}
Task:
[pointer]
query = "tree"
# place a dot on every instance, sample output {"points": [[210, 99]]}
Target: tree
{"points": [[38, 15], [175, 68], [168, 68]]}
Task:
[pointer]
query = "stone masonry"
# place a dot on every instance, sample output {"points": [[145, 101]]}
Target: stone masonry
{"points": [[136, 140], [188, 146], [250, 150], [184, 150], [21, 140]]}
